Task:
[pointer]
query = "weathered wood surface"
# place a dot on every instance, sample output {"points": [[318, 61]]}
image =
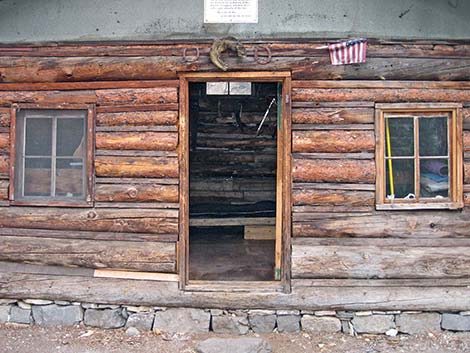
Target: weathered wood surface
{"points": [[4, 142], [143, 141], [93, 85], [466, 141], [424, 224], [4, 165], [333, 116], [135, 167], [379, 95], [159, 95], [378, 261], [59, 69], [4, 117], [466, 172], [333, 141], [89, 235], [104, 220], [152, 293], [137, 118], [332, 197], [136, 193], [4, 189], [47, 97], [330, 155], [335, 171], [149, 256]]}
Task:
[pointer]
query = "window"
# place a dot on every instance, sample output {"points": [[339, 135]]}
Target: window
{"points": [[228, 88], [419, 156], [51, 150]]}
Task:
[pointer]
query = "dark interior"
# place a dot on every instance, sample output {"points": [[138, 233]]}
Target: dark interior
{"points": [[233, 183]]}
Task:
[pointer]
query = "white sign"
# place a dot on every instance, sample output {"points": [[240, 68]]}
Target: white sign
{"points": [[230, 11]]}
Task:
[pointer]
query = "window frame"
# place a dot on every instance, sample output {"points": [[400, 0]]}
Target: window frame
{"points": [[455, 153], [87, 201]]}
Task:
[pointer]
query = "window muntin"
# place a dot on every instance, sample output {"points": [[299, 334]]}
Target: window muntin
{"points": [[51, 155], [229, 88], [419, 162]]}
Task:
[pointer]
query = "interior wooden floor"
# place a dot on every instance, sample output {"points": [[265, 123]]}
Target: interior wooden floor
{"points": [[224, 255]]}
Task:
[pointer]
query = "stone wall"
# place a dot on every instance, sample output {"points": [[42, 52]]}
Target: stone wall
{"points": [[238, 322]]}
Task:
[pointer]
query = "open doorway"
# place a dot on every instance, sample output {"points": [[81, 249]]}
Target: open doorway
{"points": [[234, 219]]}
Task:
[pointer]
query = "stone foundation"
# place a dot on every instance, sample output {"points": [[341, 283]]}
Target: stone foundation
{"points": [[236, 322]]}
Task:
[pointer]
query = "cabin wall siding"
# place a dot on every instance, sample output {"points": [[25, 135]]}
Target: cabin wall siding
{"points": [[337, 233]]}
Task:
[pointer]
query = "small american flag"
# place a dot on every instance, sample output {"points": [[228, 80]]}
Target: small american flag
{"points": [[349, 52]]}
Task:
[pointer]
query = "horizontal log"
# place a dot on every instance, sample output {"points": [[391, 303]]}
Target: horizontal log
{"points": [[379, 84], [388, 242], [126, 181], [332, 197], [47, 97], [153, 293], [355, 155], [98, 220], [4, 165], [134, 153], [466, 141], [466, 172], [135, 167], [147, 141], [304, 127], [308, 214], [67, 86], [151, 256], [333, 116], [145, 118], [438, 224], [4, 142], [333, 186], [136, 193], [333, 141], [403, 282], [90, 235], [379, 95], [138, 205], [129, 108], [4, 184], [14, 267], [335, 171], [316, 261], [4, 117], [159, 95]]}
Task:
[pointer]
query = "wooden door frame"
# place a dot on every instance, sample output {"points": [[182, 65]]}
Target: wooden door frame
{"points": [[283, 188]]}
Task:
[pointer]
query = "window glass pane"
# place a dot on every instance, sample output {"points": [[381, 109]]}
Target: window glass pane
{"points": [[38, 137], [401, 134], [433, 136], [402, 183], [69, 177], [434, 178], [70, 137], [37, 177], [213, 88], [240, 88]]}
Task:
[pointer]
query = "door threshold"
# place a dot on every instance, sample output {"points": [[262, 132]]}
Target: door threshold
{"points": [[234, 286]]}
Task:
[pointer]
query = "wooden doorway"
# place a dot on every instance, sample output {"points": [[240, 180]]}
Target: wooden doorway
{"points": [[281, 223]]}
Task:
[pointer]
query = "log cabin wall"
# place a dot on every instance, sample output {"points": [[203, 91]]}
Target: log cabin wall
{"points": [[395, 259]]}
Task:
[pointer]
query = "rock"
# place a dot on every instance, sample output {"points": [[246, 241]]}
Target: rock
{"points": [[373, 324], [182, 320], [107, 318], [262, 323], [38, 301], [345, 314], [415, 324], [465, 313], [62, 302], [231, 324], [392, 332], [107, 306], [261, 312], [56, 315], [288, 323], [323, 324], [455, 322], [19, 315], [89, 306], [141, 321], [4, 313], [363, 313], [138, 309], [234, 345], [325, 313], [24, 305], [132, 332], [288, 312], [7, 301], [216, 312]]}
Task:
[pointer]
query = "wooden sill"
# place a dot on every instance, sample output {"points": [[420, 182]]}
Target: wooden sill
{"points": [[234, 286], [418, 206], [82, 204]]}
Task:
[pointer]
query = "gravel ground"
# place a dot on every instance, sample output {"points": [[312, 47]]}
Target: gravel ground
{"points": [[35, 339]]}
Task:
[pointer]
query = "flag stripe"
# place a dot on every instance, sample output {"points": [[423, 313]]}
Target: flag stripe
{"points": [[349, 52]]}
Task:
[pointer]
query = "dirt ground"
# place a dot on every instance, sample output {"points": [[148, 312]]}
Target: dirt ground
{"points": [[34, 339]]}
